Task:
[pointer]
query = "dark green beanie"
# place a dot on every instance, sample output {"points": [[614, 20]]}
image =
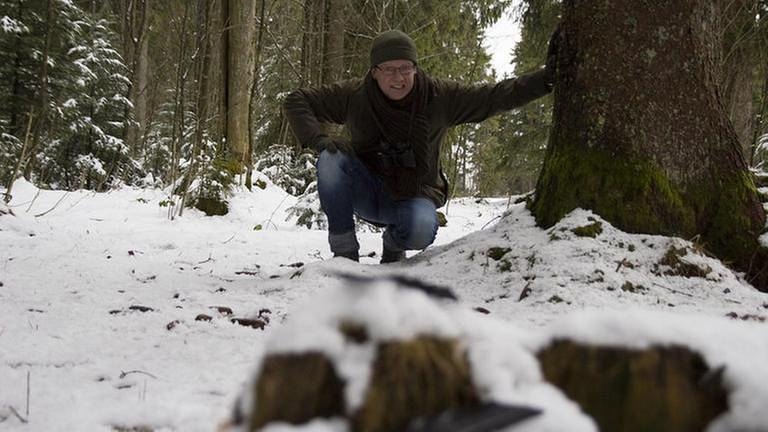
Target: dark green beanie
{"points": [[392, 45]]}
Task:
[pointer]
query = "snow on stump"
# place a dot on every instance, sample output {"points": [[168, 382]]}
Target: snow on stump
{"points": [[372, 354], [409, 379], [656, 389]]}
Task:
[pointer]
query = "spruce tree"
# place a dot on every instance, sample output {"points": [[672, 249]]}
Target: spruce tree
{"points": [[92, 108]]}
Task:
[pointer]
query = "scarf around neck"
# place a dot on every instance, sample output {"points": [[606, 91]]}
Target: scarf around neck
{"points": [[403, 125]]}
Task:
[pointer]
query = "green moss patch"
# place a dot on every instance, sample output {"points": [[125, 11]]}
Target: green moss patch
{"points": [[555, 299], [678, 267], [632, 288], [592, 230], [497, 253], [632, 193], [505, 266], [212, 206], [441, 219]]}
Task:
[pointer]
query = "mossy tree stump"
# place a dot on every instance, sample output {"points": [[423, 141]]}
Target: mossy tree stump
{"points": [[296, 388], [640, 135], [409, 379], [412, 379], [657, 389]]}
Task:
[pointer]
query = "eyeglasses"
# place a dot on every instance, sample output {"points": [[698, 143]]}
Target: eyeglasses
{"points": [[406, 69]]}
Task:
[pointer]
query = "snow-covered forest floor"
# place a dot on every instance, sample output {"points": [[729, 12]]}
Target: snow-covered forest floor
{"points": [[101, 297]]}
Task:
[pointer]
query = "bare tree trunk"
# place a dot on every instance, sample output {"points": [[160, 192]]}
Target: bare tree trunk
{"points": [[134, 33], [214, 112], [640, 134], [179, 103], [334, 41], [240, 58], [256, 78], [307, 41]]}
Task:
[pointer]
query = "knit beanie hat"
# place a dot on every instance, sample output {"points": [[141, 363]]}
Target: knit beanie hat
{"points": [[392, 45]]}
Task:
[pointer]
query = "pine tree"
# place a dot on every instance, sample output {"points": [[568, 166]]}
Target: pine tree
{"points": [[21, 38], [93, 111], [64, 83]]}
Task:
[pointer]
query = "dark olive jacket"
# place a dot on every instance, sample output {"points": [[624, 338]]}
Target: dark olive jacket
{"points": [[451, 104]]}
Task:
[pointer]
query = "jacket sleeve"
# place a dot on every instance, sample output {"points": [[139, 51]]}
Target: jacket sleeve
{"points": [[306, 108], [472, 104]]}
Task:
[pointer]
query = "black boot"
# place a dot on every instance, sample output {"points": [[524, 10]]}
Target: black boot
{"points": [[390, 256], [351, 255]]}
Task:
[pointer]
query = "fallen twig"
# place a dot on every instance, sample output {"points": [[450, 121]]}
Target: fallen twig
{"points": [[489, 222], [673, 290], [32, 202], [230, 239], [621, 263], [123, 374], [54, 206], [27, 409], [16, 413], [271, 215]]}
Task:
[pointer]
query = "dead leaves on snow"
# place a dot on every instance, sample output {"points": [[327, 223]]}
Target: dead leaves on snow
{"points": [[258, 322]]}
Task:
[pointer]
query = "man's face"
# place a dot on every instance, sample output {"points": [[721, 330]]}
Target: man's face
{"points": [[395, 78]]}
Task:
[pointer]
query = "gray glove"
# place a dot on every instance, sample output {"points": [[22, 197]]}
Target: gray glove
{"points": [[333, 145]]}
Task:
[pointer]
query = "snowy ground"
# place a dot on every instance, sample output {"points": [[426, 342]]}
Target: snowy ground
{"points": [[99, 295]]}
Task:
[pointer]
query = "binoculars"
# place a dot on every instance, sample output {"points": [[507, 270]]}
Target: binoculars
{"points": [[399, 155]]}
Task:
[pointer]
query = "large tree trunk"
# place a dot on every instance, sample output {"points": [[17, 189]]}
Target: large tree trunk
{"points": [[640, 134], [228, 75]]}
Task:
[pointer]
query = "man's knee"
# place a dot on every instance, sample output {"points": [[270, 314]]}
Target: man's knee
{"points": [[422, 229], [331, 166]]}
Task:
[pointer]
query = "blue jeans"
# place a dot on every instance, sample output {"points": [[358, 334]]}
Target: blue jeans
{"points": [[347, 187]]}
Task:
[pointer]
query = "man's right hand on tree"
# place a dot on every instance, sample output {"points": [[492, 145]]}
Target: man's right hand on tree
{"points": [[333, 145]]}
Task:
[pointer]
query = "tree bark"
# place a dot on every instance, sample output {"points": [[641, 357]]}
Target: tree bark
{"points": [[241, 32], [640, 133], [134, 29], [214, 105], [257, 79], [228, 75], [334, 41]]}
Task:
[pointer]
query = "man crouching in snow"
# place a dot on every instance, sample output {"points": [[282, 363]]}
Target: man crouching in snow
{"points": [[389, 172]]}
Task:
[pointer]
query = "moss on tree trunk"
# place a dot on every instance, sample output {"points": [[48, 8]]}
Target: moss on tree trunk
{"points": [[640, 134]]}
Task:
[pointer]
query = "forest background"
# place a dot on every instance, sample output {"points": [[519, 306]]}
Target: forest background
{"points": [[186, 94]]}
